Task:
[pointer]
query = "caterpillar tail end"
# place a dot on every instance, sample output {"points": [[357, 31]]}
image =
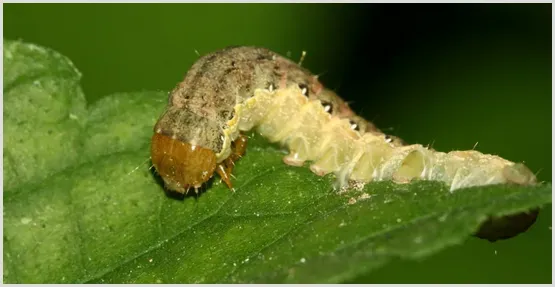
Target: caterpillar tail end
{"points": [[519, 174]]}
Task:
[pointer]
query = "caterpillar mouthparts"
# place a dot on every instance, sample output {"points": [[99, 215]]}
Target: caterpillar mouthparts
{"points": [[238, 89]]}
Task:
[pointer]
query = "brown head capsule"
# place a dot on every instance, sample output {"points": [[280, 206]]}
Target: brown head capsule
{"points": [[181, 164]]}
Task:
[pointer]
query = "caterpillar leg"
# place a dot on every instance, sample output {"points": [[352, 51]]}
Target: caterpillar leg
{"points": [[293, 159], [316, 169], [225, 168], [224, 175], [239, 148], [298, 152]]}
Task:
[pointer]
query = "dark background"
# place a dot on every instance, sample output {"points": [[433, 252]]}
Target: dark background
{"points": [[447, 74]]}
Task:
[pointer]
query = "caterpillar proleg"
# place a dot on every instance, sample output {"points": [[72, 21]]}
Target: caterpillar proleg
{"points": [[238, 89]]}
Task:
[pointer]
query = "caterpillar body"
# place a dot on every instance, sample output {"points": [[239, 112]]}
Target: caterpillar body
{"points": [[238, 89]]}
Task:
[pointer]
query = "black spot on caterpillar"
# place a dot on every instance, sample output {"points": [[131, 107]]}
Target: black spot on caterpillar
{"points": [[242, 88]]}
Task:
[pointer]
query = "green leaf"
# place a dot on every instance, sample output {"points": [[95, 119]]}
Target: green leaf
{"points": [[44, 112], [82, 205]]}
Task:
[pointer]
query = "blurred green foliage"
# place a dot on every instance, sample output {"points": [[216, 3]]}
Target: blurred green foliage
{"points": [[451, 75]]}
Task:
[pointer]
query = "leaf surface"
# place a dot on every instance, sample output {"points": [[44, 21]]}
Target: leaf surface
{"points": [[82, 205]]}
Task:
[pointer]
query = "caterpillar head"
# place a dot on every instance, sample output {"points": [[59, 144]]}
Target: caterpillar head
{"points": [[184, 147], [181, 165]]}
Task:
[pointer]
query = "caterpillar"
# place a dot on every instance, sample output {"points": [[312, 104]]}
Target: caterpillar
{"points": [[237, 89]]}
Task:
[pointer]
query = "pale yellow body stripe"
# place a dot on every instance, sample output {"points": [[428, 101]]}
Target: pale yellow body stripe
{"points": [[311, 134]]}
